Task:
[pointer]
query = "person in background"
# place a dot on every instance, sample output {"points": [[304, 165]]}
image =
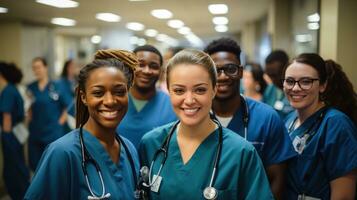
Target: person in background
{"points": [[47, 113], [324, 137], [253, 81], [148, 107], [274, 94], [16, 174], [193, 143], [67, 82], [93, 161], [256, 122]]}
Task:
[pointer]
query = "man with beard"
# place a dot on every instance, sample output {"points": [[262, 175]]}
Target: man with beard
{"points": [[148, 107], [258, 123]]}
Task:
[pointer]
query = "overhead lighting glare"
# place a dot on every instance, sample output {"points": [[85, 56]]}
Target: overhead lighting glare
{"points": [[217, 9], [63, 21], [194, 40], [175, 23], [135, 26], [303, 38], [3, 10], [141, 42], [184, 30], [167, 39], [108, 17], [59, 3], [96, 39], [161, 13], [139, 0], [221, 28], [133, 40], [220, 20], [313, 18], [313, 26], [151, 32]]}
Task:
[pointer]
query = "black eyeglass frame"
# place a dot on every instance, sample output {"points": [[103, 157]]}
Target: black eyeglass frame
{"points": [[299, 82], [225, 69]]}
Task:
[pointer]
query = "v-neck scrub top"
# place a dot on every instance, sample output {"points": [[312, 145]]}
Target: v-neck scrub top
{"points": [[240, 172], [60, 175]]}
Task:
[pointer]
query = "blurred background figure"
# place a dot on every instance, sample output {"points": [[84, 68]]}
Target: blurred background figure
{"points": [[253, 81], [274, 95], [47, 114], [67, 82], [15, 174]]}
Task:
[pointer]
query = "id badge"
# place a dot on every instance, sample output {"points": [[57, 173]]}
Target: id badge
{"points": [[157, 182], [304, 197], [279, 105], [299, 144]]}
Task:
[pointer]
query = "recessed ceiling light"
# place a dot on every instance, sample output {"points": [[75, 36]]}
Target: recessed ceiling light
{"points": [[141, 42], [218, 8], [135, 26], [302, 38], [313, 26], [175, 23], [184, 30], [161, 13], [59, 3], [3, 10], [63, 21], [108, 17], [220, 20], [221, 28], [96, 39], [313, 18], [151, 32]]}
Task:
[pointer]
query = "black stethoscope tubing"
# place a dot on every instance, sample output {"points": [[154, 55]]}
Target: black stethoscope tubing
{"points": [[87, 158]]}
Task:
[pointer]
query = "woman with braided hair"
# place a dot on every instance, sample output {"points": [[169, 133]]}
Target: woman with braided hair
{"points": [[93, 161]]}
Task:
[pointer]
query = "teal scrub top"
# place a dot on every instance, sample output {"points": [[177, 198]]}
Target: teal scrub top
{"points": [[60, 175], [276, 98], [240, 172]]}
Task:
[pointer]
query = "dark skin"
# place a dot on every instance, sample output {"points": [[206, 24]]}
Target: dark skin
{"points": [[227, 102]]}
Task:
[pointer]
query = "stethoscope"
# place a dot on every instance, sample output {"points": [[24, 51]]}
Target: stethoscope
{"points": [[87, 159], [209, 192]]}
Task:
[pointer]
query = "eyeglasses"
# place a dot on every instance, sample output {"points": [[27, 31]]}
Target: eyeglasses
{"points": [[229, 69], [304, 83]]}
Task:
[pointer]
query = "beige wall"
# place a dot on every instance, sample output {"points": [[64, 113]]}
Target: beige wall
{"points": [[10, 40]]}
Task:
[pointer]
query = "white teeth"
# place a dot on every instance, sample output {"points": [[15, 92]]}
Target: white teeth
{"points": [[109, 114], [190, 110]]}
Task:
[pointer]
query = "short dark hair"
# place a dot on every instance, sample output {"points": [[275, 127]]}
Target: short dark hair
{"points": [[10, 72], [41, 59], [277, 56], [65, 68], [151, 49], [224, 44]]}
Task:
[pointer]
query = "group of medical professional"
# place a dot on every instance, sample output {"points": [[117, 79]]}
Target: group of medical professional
{"points": [[201, 140]]}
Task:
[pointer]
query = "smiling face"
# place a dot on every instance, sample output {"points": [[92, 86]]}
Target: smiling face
{"points": [[300, 99], [106, 97], [191, 93], [227, 86], [148, 72]]}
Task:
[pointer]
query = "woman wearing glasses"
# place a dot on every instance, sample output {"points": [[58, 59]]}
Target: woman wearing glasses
{"points": [[323, 136], [196, 158], [92, 161]]}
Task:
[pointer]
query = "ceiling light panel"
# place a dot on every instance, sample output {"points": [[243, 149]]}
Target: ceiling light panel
{"points": [[313, 18], [217, 9], [3, 10], [184, 30], [135, 26], [221, 28], [96, 39], [59, 3], [161, 13], [151, 32], [220, 20], [108, 17], [63, 21], [175, 23]]}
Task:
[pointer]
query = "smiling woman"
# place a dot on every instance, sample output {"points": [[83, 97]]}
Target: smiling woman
{"points": [[216, 162], [93, 161]]}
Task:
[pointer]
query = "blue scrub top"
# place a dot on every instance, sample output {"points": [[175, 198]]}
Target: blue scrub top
{"points": [[67, 86], [276, 98], [11, 102], [330, 154], [266, 131], [47, 107], [60, 175], [157, 112], [240, 172]]}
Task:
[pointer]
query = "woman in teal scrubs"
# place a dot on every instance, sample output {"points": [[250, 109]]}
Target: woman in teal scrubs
{"points": [[16, 174], [324, 137], [196, 142], [93, 161]]}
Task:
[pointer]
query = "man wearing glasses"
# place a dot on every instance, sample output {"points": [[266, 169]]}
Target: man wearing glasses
{"points": [[148, 107], [258, 123]]}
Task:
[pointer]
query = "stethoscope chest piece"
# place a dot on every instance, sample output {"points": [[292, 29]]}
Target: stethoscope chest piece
{"points": [[210, 193]]}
